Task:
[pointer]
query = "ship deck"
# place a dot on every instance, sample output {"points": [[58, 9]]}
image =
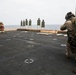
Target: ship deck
{"points": [[34, 53]]}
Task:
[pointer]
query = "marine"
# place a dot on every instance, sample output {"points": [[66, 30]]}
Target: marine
{"points": [[70, 26]]}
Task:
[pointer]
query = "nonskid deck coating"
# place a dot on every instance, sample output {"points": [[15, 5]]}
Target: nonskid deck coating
{"points": [[34, 53]]}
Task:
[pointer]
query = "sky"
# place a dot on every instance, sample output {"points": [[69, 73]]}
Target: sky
{"points": [[52, 11]]}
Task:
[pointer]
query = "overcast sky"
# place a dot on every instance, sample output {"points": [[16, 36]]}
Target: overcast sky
{"points": [[52, 11]]}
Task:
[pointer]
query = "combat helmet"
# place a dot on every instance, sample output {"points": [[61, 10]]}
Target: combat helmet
{"points": [[69, 15]]}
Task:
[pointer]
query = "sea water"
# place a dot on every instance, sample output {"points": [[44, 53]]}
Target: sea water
{"points": [[48, 27]]}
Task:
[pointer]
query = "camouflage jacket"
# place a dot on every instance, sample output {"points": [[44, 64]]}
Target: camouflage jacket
{"points": [[68, 25]]}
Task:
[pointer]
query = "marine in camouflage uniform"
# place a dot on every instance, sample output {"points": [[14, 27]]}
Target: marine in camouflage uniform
{"points": [[69, 26], [71, 32]]}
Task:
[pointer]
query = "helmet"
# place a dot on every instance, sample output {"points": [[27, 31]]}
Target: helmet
{"points": [[69, 15]]}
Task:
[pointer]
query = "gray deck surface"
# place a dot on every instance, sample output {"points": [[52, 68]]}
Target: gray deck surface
{"points": [[34, 53]]}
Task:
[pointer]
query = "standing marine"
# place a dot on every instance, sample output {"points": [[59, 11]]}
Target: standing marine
{"points": [[70, 26]]}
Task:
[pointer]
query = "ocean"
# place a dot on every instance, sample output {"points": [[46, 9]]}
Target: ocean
{"points": [[48, 27]]}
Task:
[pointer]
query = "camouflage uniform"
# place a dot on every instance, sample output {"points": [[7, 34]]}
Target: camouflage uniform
{"points": [[68, 25]]}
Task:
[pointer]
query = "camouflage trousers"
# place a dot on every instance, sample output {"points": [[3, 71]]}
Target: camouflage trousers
{"points": [[69, 50]]}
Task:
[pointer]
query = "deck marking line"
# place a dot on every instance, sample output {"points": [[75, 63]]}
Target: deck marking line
{"points": [[63, 44]]}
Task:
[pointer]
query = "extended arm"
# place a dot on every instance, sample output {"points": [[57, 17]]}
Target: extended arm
{"points": [[64, 26]]}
